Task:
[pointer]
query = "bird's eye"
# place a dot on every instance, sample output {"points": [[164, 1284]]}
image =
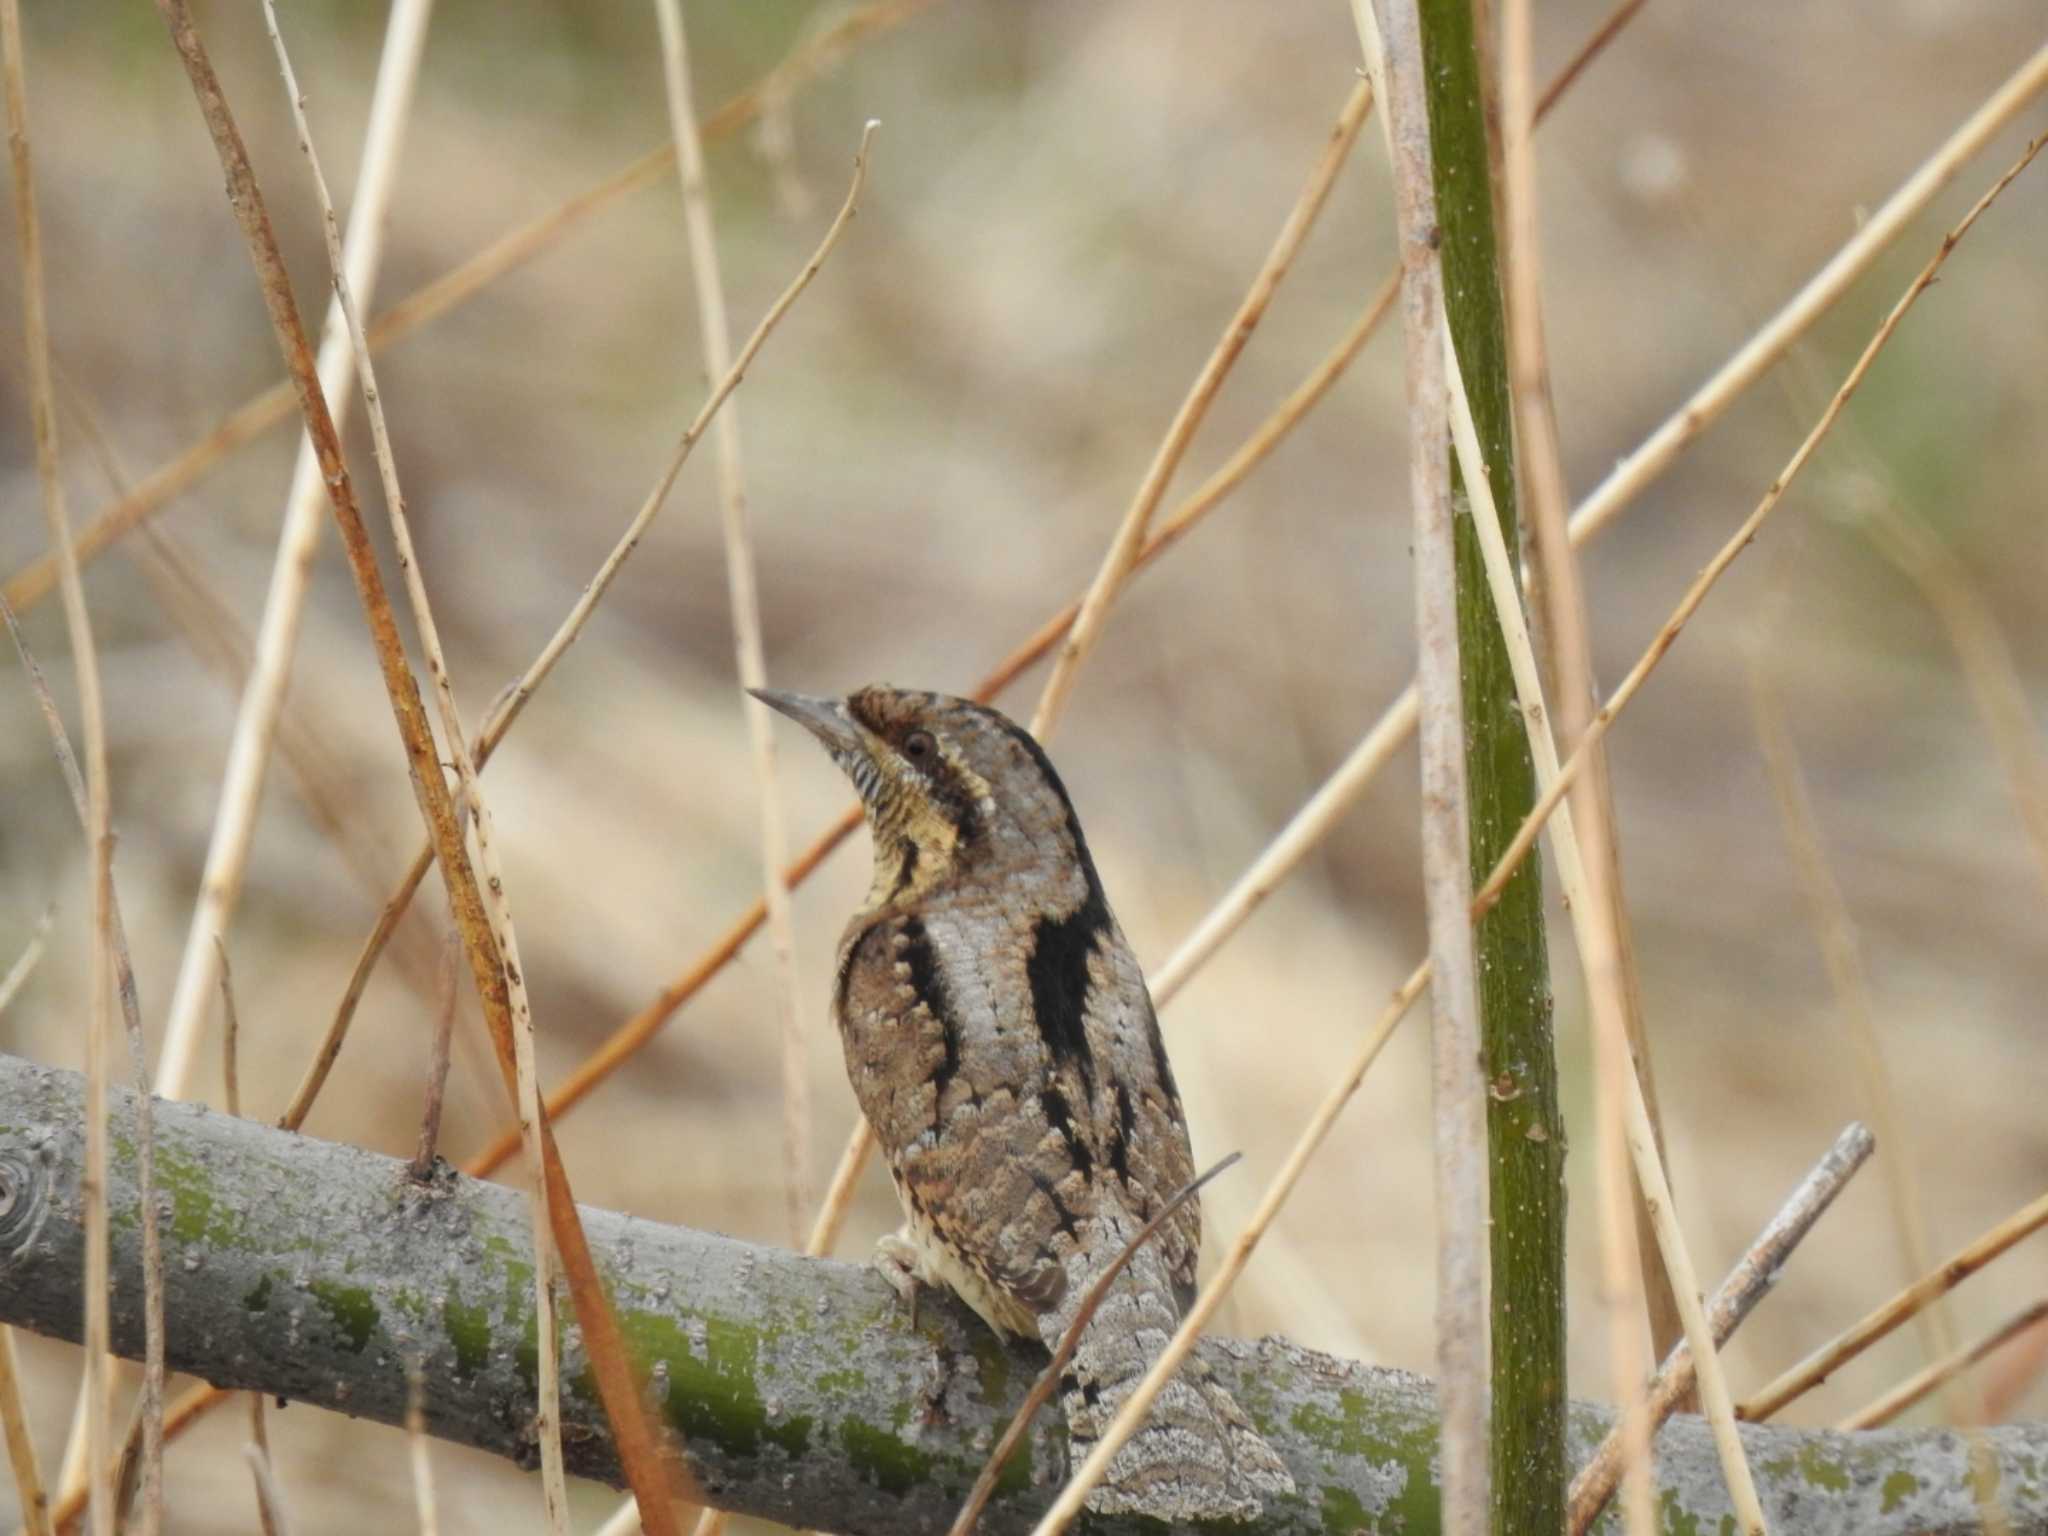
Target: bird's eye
{"points": [[919, 747]]}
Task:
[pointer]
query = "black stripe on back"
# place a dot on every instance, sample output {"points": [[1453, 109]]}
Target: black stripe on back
{"points": [[931, 991]]}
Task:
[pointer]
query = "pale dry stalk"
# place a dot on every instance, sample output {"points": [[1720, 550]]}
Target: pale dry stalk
{"points": [[742, 583]]}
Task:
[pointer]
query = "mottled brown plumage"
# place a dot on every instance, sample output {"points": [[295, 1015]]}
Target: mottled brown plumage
{"points": [[1003, 1046]]}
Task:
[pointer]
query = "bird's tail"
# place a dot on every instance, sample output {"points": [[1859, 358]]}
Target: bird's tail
{"points": [[1197, 1457]]}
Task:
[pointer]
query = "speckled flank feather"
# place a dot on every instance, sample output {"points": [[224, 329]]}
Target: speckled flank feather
{"points": [[1002, 1044]]}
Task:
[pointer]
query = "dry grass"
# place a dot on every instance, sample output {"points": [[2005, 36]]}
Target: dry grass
{"points": [[938, 451]]}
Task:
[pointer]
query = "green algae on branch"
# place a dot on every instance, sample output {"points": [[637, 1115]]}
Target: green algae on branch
{"points": [[352, 1309]]}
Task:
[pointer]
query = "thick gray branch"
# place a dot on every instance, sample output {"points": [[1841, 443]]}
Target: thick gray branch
{"points": [[315, 1271]]}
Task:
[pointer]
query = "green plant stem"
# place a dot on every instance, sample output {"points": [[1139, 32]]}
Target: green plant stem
{"points": [[1524, 1133]]}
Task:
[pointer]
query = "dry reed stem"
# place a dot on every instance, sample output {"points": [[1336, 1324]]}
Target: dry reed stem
{"points": [[1985, 657], [261, 704], [1666, 637], [1622, 1107], [269, 1496], [1936, 1283], [547, 1411], [1834, 929], [1130, 534], [21, 1449], [1554, 589], [25, 963], [36, 580], [1070, 1339], [142, 1448], [742, 583], [445, 1001], [422, 1463], [99, 837], [1458, 1078], [638, 1450], [1133, 1412], [1931, 1378], [1747, 1283]]}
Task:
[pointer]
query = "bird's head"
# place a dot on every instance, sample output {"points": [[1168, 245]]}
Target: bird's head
{"points": [[946, 783]]}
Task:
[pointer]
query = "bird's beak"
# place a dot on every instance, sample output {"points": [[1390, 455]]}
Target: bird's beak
{"points": [[825, 719]]}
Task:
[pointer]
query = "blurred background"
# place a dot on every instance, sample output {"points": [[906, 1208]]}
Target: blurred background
{"points": [[1065, 205]]}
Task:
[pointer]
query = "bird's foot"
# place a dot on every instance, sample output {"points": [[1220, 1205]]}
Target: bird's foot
{"points": [[899, 1260]]}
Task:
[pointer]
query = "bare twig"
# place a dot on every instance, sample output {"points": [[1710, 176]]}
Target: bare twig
{"points": [[1457, 1075], [1048, 1379], [1130, 534], [437, 1061], [231, 1079], [262, 700], [25, 963], [1938, 1282], [1747, 1283], [1931, 1378]]}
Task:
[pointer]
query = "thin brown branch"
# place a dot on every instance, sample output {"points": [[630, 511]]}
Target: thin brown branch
{"points": [[1936, 1283], [437, 1062], [1747, 1284], [1048, 1379]]}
